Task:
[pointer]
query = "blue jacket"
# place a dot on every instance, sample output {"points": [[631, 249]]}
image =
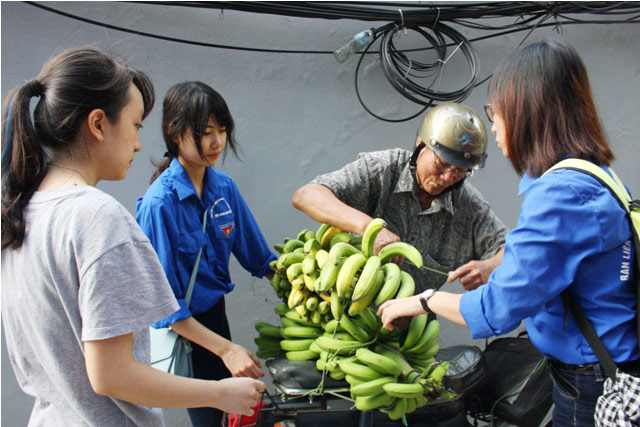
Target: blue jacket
{"points": [[571, 233], [170, 213]]}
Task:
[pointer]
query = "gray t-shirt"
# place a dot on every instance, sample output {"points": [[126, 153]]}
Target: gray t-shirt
{"points": [[84, 272], [458, 227]]}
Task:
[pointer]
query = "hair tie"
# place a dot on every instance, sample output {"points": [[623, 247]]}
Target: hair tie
{"points": [[35, 87], [166, 154]]}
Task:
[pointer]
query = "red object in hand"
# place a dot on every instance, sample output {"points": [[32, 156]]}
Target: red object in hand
{"points": [[236, 420]]}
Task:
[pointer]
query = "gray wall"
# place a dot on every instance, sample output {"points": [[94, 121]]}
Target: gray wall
{"points": [[297, 115]]}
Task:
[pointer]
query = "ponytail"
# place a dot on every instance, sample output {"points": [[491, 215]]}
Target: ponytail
{"points": [[23, 161], [161, 166]]}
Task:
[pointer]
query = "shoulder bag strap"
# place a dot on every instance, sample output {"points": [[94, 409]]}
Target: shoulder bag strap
{"points": [[194, 273]]}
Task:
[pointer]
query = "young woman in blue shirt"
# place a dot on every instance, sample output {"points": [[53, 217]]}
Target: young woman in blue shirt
{"points": [[571, 233], [198, 129]]}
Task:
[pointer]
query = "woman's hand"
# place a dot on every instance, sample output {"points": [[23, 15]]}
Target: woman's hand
{"points": [[399, 308], [241, 362], [238, 395]]}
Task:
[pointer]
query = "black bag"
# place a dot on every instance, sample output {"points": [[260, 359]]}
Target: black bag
{"points": [[516, 386]]}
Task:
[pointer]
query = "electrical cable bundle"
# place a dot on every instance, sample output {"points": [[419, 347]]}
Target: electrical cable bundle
{"points": [[403, 73]]}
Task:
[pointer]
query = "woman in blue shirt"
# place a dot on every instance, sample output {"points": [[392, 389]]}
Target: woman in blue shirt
{"points": [[198, 128], [571, 233]]}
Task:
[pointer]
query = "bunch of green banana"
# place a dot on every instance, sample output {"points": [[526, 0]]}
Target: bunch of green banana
{"points": [[268, 340]]}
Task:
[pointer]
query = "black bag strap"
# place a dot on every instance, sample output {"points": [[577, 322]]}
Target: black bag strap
{"points": [[589, 333]]}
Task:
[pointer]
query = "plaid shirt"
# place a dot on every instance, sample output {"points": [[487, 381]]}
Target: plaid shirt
{"points": [[458, 227]]}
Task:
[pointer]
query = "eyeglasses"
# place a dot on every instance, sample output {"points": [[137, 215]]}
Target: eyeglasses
{"points": [[444, 167], [488, 109]]}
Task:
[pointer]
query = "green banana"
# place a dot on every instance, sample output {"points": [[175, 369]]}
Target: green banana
{"points": [[273, 265], [370, 234], [415, 331], [398, 409], [359, 370], [315, 347], [288, 322], [292, 245], [266, 343], [311, 247], [341, 237], [370, 319], [316, 318], [293, 271], [354, 380], [300, 235], [378, 362], [396, 356], [267, 329], [321, 230], [368, 403], [353, 329], [366, 282], [439, 372], [310, 281], [300, 332], [331, 232], [301, 355], [309, 264], [411, 405], [290, 258], [328, 275], [332, 326], [372, 387], [324, 307], [343, 249], [338, 346], [391, 284], [309, 235], [404, 390], [337, 375], [407, 286], [279, 248], [281, 309], [302, 311], [267, 354], [292, 315], [429, 336], [401, 249], [348, 271], [322, 257], [337, 305], [432, 351], [296, 345], [357, 306], [295, 297], [311, 304]]}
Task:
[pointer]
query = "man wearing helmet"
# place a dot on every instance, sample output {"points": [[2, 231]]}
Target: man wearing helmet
{"points": [[423, 197]]}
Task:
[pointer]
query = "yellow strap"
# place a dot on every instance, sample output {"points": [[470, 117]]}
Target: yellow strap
{"points": [[614, 183]]}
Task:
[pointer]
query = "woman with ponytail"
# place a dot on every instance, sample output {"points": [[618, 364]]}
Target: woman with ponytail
{"points": [[198, 128], [80, 281]]}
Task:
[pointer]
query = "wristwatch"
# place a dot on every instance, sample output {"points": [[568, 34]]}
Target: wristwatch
{"points": [[424, 298]]}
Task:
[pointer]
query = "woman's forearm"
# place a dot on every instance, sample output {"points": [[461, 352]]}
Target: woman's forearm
{"points": [[195, 331], [447, 305]]}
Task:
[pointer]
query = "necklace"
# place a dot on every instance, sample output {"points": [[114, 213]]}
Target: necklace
{"points": [[72, 170]]}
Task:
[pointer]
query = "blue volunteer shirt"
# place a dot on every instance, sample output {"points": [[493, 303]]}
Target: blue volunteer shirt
{"points": [[170, 213], [571, 232]]}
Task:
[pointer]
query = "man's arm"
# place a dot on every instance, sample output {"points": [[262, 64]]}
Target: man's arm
{"points": [[476, 273], [319, 203]]}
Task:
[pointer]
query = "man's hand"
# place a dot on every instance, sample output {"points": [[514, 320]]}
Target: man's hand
{"points": [[241, 362], [384, 238]]}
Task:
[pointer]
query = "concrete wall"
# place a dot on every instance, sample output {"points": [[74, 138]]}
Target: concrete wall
{"points": [[297, 115]]}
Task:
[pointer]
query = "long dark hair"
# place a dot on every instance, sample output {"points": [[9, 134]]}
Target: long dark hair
{"points": [[69, 86], [189, 106], [543, 94]]}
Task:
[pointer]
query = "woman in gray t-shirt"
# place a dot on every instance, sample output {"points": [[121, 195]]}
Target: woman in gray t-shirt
{"points": [[81, 283]]}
